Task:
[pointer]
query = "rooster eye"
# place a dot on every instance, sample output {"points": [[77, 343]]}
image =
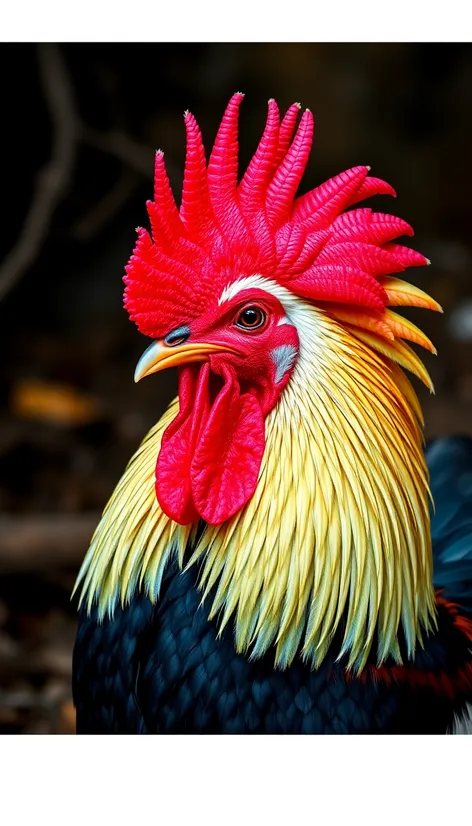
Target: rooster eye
{"points": [[251, 318]]}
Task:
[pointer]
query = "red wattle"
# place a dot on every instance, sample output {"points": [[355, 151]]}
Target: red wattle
{"points": [[173, 487], [227, 459], [211, 453]]}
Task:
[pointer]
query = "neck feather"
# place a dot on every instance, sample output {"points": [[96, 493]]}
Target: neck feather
{"points": [[336, 537]]}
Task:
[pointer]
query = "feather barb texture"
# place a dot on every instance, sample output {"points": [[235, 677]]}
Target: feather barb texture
{"points": [[337, 530], [336, 538], [312, 246]]}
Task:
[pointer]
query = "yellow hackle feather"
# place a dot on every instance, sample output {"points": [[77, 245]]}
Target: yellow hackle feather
{"points": [[338, 527], [403, 294]]}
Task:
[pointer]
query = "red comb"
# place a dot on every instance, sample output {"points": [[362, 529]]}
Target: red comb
{"points": [[225, 231]]}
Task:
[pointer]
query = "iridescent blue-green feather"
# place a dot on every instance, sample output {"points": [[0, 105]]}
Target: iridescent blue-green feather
{"points": [[450, 465]]}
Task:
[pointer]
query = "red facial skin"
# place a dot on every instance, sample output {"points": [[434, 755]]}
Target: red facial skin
{"points": [[211, 453], [255, 368]]}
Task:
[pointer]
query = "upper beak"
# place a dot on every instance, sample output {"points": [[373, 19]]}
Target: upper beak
{"points": [[159, 356]]}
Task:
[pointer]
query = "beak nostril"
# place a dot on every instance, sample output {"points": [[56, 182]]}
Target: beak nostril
{"points": [[178, 336]]}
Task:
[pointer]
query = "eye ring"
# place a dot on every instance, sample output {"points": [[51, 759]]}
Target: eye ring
{"points": [[251, 318]]}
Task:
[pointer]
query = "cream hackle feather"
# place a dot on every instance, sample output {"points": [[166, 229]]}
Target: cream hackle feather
{"points": [[337, 533]]}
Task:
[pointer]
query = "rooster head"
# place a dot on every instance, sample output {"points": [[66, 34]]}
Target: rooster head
{"points": [[216, 287]]}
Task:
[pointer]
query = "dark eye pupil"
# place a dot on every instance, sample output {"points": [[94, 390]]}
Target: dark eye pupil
{"points": [[251, 317]]}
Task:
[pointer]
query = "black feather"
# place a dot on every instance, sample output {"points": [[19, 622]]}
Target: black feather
{"points": [[163, 669]]}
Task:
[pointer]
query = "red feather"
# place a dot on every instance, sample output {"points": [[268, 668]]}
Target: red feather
{"points": [[224, 231]]}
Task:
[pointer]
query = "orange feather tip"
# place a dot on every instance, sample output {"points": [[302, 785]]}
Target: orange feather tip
{"points": [[403, 328], [402, 293], [366, 319], [397, 351]]}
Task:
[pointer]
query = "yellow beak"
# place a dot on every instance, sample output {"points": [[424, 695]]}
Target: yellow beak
{"points": [[159, 356]]}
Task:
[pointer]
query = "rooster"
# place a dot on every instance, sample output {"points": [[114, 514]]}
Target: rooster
{"points": [[265, 564]]}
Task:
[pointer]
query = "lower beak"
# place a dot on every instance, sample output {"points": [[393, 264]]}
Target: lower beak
{"points": [[159, 356]]}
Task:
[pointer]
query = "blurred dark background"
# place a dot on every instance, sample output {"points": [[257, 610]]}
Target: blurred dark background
{"points": [[80, 125]]}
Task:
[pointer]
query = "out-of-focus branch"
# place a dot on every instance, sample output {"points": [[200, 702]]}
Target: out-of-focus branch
{"points": [[137, 160], [121, 146], [53, 179], [42, 541], [137, 155], [102, 213]]}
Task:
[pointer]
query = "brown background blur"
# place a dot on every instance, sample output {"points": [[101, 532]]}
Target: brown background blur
{"points": [[80, 125]]}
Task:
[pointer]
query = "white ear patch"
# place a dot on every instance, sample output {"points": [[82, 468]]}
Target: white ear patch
{"points": [[284, 358]]}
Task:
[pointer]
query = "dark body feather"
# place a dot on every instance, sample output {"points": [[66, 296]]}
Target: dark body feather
{"points": [[162, 669]]}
